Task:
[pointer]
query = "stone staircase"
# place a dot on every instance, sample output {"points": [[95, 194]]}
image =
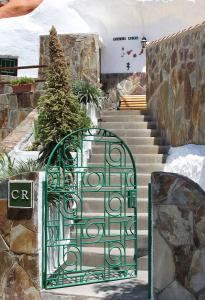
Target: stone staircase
{"points": [[140, 132]]}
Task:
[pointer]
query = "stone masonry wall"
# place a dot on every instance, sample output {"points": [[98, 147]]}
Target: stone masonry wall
{"points": [[116, 85], [19, 257], [176, 85], [82, 52], [178, 238], [13, 110]]}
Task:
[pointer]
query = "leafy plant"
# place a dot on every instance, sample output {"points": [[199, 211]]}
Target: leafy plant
{"points": [[59, 110], [88, 93], [9, 168], [22, 80]]}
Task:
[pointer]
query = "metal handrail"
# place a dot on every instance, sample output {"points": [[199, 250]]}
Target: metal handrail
{"points": [[24, 67]]}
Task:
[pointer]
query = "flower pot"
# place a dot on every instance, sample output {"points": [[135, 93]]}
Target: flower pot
{"points": [[23, 88]]}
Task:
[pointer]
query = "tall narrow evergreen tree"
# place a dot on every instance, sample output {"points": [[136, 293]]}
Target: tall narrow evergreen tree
{"points": [[59, 110]]}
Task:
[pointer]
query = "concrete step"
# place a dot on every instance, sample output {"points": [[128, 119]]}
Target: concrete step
{"points": [[136, 132], [127, 125], [92, 192], [96, 205], [97, 219], [120, 113], [94, 239], [94, 256], [128, 118], [129, 289], [143, 179], [141, 168], [139, 149], [138, 158], [140, 140], [119, 179], [130, 115]]}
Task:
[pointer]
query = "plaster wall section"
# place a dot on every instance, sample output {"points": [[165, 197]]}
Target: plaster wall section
{"points": [[176, 85]]}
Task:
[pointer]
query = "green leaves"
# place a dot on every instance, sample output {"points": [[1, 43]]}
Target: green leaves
{"points": [[88, 93], [22, 80]]}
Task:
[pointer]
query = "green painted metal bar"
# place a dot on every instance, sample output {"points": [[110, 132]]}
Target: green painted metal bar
{"points": [[150, 243], [69, 228]]}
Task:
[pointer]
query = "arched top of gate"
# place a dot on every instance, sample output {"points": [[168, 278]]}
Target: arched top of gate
{"points": [[73, 142]]}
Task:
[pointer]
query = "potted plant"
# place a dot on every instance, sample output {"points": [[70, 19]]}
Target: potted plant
{"points": [[23, 85]]}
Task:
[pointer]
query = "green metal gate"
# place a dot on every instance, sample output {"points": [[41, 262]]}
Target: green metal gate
{"points": [[90, 210]]}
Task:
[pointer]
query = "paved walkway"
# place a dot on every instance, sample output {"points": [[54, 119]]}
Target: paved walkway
{"points": [[132, 289]]}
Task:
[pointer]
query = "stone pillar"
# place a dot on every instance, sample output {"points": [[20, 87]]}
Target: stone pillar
{"points": [[20, 245], [178, 237]]}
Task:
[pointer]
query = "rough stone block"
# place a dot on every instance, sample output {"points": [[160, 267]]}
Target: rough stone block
{"points": [[175, 225], [12, 100], [197, 271], [164, 268], [23, 240], [176, 292], [19, 285]]}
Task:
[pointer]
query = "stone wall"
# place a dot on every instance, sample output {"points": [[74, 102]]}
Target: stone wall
{"points": [[19, 249], [178, 237], [82, 52], [176, 85], [13, 110], [118, 84]]}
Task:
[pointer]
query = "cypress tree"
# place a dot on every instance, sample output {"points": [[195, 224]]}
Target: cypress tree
{"points": [[59, 110]]}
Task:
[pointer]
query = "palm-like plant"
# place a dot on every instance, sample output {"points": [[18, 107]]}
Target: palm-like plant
{"points": [[88, 93]]}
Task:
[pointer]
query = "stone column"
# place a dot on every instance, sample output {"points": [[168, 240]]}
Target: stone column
{"points": [[178, 237], [20, 245]]}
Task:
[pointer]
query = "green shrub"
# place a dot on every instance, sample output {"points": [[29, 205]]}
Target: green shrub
{"points": [[59, 110], [88, 93], [22, 80]]}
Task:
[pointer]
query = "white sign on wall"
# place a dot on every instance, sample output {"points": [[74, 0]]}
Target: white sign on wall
{"points": [[123, 54]]}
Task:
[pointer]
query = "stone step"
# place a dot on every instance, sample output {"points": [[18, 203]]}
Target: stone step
{"points": [[139, 149], [141, 168], [92, 238], [141, 140], [92, 192], [96, 204], [128, 118], [136, 132], [138, 158], [129, 289], [120, 113], [94, 256], [143, 179], [118, 179], [127, 125], [96, 215]]}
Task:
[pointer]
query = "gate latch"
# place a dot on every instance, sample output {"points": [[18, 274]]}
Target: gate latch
{"points": [[132, 198]]}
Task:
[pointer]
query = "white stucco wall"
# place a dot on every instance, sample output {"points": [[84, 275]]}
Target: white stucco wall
{"points": [[109, 18]]}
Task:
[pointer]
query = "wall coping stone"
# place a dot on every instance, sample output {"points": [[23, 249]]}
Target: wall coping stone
{"points": [[176, 35]]}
